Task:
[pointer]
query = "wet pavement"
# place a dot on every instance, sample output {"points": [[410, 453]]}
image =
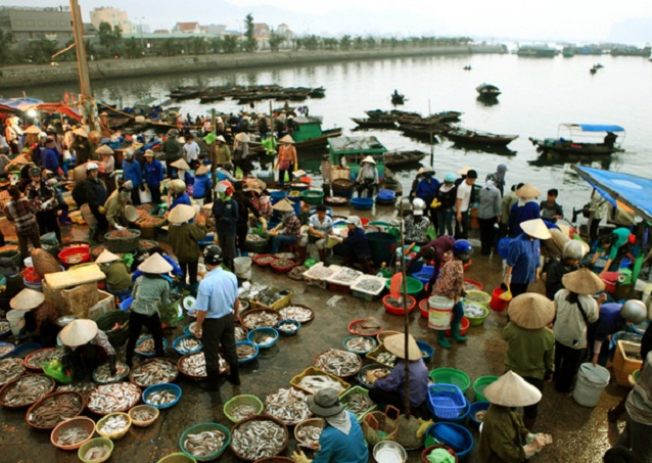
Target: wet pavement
{"points": [[581, 435]]}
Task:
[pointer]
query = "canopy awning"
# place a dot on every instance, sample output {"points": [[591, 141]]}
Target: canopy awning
{"points": [[22, 105], [619, 189], [594, 127]]}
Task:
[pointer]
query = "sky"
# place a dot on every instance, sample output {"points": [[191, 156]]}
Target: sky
{"points": [[571, 20]]}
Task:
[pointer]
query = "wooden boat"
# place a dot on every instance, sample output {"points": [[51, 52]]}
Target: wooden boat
{"points": [[488, 91], [537, 51], [573, 148], [379, 123], [397, 98], [396, 159], [447, 117], [422, 132], [185, 92], [478, 138]]}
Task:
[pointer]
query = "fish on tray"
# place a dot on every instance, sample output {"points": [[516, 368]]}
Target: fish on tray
{"points": [[205, 443], [114, 424], [54, 409], [154, 372], [26, 390], [339, 362], [258, 439], [361, 344], [386, 359], [315, 383], [296, 312], [288, 406], [114, 397]]}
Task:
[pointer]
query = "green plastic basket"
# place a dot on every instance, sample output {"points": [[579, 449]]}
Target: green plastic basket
{"points": [[177, 458], [414, 286], [242, 399], [451, 376], [313, 197], [479, 384], [93, 443], [201, 427]]}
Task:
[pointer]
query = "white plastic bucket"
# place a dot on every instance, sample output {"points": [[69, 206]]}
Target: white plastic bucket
{"points": [[440, 312], [591, 381], [16, 319], [242, 267]]}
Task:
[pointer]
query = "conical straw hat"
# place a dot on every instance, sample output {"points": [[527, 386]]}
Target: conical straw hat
{"points": [[395, 344], [155, 264], [131, 213], [27, 299], [181, 214], [242, 137], [104, 149], [283, 206], [510, 390], [106, 256], [368, 159], [582, 281], [531, 311], [536, 228], [78, 332], [180, 164], [287, 139], [203, 169], [528, 191], [81, 132], [177, 185]]}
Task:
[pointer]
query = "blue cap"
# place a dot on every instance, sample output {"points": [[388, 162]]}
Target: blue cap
{"points": [[450, 177]]}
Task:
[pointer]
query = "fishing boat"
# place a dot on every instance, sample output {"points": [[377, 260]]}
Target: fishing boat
{"points": [[371, 123], [447, 117], [185, 92], [424, 132], [397, 98], [536, 51], [308, 134], [576, 144], [487, 91], [354, 150], [479, 138], [397, 159]]}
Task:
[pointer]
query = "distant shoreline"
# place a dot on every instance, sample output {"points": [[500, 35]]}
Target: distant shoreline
{"points": [[26, 76]]}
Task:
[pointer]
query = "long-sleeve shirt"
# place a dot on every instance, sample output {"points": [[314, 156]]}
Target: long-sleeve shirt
{"points": [[183, 198], [94, 192], [368, 172], [530, 353], [450, 282], [503, 436], [172, 149], [114, 207], [357, 242], [555, 270], [418, 386], [132, 171], [117, 276], [153, 172], [337, 447], [150, 294], [226, 216], [22, 213], [202, 186], [639, 401], [521, 213], [489, 202], [570, 328], [184, 241], [523, 257], [506, 206], [427, 190], [222, 154], [50, 159]]}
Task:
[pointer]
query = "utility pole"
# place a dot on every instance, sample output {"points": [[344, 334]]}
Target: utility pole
{"points": [[87, 101]]}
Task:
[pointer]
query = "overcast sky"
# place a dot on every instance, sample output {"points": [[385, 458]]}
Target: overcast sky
{"points": [[577, 20]]}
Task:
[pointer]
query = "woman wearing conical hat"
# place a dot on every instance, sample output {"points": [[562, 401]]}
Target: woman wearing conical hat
{"points": [[86, 347], [40, 317], [288, 160]]}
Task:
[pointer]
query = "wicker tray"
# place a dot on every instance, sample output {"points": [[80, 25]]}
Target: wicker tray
{"points": [[294, 382], [258, 418], [50, 397]]}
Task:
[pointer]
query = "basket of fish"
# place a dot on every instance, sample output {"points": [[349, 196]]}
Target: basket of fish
{"points": [[272, 299], [25, 390], [345, 276], [102, 374], [85, 388], [312, 380], [6, 348], [186, 345], [256, 318], [35, 360], [357, 401], [258, 437], [368, 287], [372, 372], [365, 327], [10, 369], [359, 344], [307, 433], [263, 260], [297, 273], [145, 346], [194, 366], [318, 273], [298, 312], [380, 355], [50, 410], [283, 265], [243, 406], [154, 371], [114, 425], [264, 337], [162, 396], [247, 351], [288, 327], [143, 415], [338, 362], [288, 405], [5, 329], [96, 450], [205, 441], [114, 397], [73, 433]]}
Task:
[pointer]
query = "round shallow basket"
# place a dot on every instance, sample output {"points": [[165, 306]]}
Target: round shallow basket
{"points": [[365, 327], [135, 370], [242, 399], [142, 339], [16, 383], [108, 389], [360, 377], [259, 418], [283, 265], [30, 363], [286, 315], [82, 422], [262, 331], [96, 442], [115, 434], [55, 419], [451, 376], [201, 427], [374, 344], [245, 315], [263, 260], [162, 387], [319, 422], [250, 358], [145, 423], [13, 368]]}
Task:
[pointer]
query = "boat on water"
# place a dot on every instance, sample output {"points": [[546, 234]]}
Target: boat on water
{"points": [[354, 149], [576, 145], [631, 51], [398, 159], [374, 123], [308, 133], [479, 138], [537, 51], [487, 91], [424, 132]]}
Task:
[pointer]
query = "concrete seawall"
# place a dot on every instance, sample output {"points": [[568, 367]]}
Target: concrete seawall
{"points": [[25, 76]]}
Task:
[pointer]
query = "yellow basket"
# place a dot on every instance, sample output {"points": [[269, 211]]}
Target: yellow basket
{"points": [[144, 424], [314, 371], [115, 435]]}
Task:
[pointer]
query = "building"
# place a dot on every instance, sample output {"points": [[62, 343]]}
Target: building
{"points": [[187, 28], [25, 24], [262, 33], [214, 29], [112, 16], [284, 30]]}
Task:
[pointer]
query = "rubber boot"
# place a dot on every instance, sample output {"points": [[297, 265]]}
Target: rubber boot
{"points": [[441, 339], [455, 332]]}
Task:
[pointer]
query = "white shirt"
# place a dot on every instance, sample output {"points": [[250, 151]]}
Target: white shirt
{"points": [[191, 151], [570, 328], [464, 191], [325, 227]]}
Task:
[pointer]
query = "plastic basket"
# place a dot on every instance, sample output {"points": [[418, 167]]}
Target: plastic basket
{"points": [[426, 350], [250, 358], [177, 342], [242, 399], [177, 457], [451, 376], [116, 434], [353, 391], [446, 401], [251, 336], [414, 286], [312, 371], [474, 409], [480, 384], [318, 422], [454, 435], [362, 204], [96, 442], [478, 321], [313, 197], [161, 387], [201, 427], [398, 310]]}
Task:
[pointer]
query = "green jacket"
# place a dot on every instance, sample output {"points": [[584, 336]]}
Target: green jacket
{"points": [[184, 241], [503, 436], [150, 295], [117, 276], [222, 155], [530, 353], [172, 149]]}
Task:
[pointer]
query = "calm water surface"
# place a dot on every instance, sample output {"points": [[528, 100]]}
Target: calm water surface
{"points": [[538, 94]]}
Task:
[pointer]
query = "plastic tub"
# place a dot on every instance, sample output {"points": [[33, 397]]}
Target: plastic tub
{"points": [[312, 197], [399, 310], [471, 285], [424, 308], [497, 303], [201, 427], [474, 409], [264, 260], [447, 401], [429, 449], [478, 321], [451, 376], [425, 274], [177, 458], [414, 286], [177, 343], [73, 255], [454, 435], [96, 442], [242, 399], [388, 451], [251, 357], [263, 331], [591, 382], [242, 266], [297, 327], [480, 383], [426, 349], [161, 387], [439, 312], [107, 322], [362, 204]]}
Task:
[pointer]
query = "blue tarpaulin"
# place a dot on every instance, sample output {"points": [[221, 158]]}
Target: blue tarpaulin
{"points": [[595, 127], [632, 190], [18, 104]]}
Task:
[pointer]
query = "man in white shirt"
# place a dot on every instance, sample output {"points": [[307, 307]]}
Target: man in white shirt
{"points": [[463, 203], [191, 151], [320, 225]]}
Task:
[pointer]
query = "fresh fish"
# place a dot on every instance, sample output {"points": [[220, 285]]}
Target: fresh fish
{"points": [[162, 397], [205, 443], [73, 435], [258, 439], [102, 374], [142, 414], [270, 296], [26, 390], [36, 360], [367, 327], [286, 327], [308, 436], [257, 319], [263, 339], [345, 276], [54, 409], [245, 351], [386, 359], [358, 403], [188, 346], [374, 374], [361, 344], [339, 362], [296, 312], [114, 397], [4, 327], [288, 406], [241, 412], [369, 284], [253, 238], [315, 383], [473, 309], [6, 348], [240, 333], [145, 345], [195, 365], [97, 452], [10, 369], [85, 388], [114, 424], [152, 372]]}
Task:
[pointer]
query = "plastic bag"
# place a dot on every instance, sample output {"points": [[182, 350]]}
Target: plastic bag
{"points": [[506, 294]]}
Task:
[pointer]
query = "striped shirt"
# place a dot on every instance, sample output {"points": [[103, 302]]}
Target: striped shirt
{"points": [[21, 212]]}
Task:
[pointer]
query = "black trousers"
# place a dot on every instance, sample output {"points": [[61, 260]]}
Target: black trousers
{"points": [[227, 243], [102, 224], [594, 225], [47, 222], [241, 239], [530, 412], [368, 186], [153, 325], [156, 193], [384, 398], [462, 227], [487, 235], [567, 362], [189, 269], [219, 335], [518, 288], [281, 174], [135, 196], [84, 360]]}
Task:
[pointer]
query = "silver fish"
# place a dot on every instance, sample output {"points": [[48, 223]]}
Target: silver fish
{"points": [[114, 424], [97, 452], [361, 344], [195, 365], [114, 397], [315, 383], [26, 390], [258, 439], [358, 403], [345, 276], [288, 406], [10, 369], [143, 413], [258, 319], [163, 397], [189, 345], [372, 375], [85, 388], [386, 359], [102, 374], [339, 362], [296, 312], [72, 435], [245, 350], [369, 284], [240, 333], [205, 443], [241, 412], [308, 436], [153, 372], [145, 345], [54, 409], [36, 360], [286, 327]]}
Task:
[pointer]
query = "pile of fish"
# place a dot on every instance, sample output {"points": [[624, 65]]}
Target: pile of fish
{"points": [[161, 397], [319, 272], [286, 327], [284, 263], [262, 338], [258, 318], [360, 344], [245, 351], [288, 406], [188, 345], [4, 327], [121, 234], [473, 309], [258, 439], [72, 435], [6, 349], [308, 436], [338, 362], [154, 372], [114, 397], [102, 374], [345, 276], [97, 453], [269, 296], [54, 409], [297, 272], [240, 333], [254, 238], [315, 383], [114, 424], [265, 260], [243, 411], [205, 443], [26, 390], [36, 360], [195, 365], [386, 359], [142, 414], [145, 345], [85, 388], [10, 369], [297, 312], [366, 327], [370, 284], [358, 402], [372, 375], [468, 286]]}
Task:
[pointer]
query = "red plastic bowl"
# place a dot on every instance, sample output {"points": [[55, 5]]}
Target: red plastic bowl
{"points": [[394, 310], [263, 260], [30, 275], [284, 268], [74, 255], [424, 308], [352, 327], [464, 327]]}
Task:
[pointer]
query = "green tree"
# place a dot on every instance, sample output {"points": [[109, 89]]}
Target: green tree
{"points": [[230, 44], [5, 43], [358, 43], [370, 42], [133, 48], [198, 45], [249, 44], [217, 44], [330, 43], [39, 51], [345, 42], [311, 42], [110, 39], [275, 40]]}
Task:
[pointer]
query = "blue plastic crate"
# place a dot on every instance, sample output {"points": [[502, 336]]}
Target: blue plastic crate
{"points": [[446, 401]]}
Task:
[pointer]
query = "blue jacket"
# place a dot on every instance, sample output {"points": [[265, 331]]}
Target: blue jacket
{"points": [[132, 171], [50, 159], [523, 257], [202, 186], [183, 198], [337, 447], [176, 269], [153, 172], [226, 216], [519, 214], [427, 190]]}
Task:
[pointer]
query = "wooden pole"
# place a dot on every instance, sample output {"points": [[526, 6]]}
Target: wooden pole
{"points": [[432, 135], [213, 148], [406, 318], [88, 106]]}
